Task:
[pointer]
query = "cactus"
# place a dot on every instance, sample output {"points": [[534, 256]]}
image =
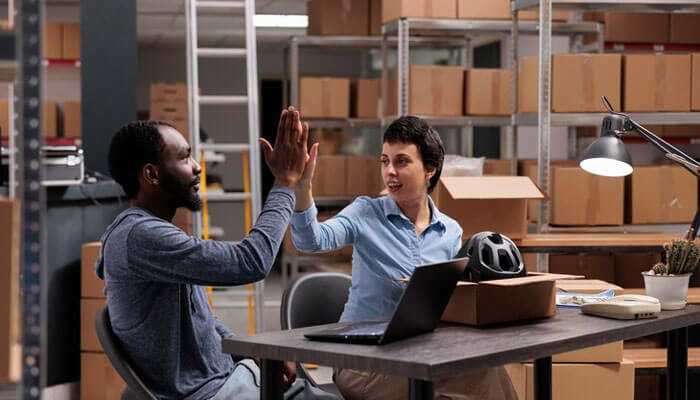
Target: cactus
{"points": [[682, 256]]}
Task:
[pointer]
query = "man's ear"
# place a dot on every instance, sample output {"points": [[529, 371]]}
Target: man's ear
{"points": [[151, 174]]}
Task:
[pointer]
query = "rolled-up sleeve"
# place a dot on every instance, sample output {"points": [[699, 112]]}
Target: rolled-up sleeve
{"points": [[311, 236]]}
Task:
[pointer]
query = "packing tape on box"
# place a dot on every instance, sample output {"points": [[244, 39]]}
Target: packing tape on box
{"points": [[588, 76], [495, 91], [660, 81]]}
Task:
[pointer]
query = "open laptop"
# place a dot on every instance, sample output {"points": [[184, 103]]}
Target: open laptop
{"points": [[419, 310]]}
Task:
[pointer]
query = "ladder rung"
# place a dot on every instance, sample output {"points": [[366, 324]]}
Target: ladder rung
{"points": [[224, 197], [221, 53], [236, 5], [226, 147], [223, 100]]}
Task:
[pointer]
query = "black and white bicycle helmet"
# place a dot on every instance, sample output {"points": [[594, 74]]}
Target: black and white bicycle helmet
{"points": [[492, 256]]}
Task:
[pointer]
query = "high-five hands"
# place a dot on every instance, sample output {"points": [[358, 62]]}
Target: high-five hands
{"points": [[288, 159]]}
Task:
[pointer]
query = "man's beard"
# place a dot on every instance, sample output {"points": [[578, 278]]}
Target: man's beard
{"points": [[181, 193]]}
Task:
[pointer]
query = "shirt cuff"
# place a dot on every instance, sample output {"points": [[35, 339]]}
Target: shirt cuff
{"points": [[305, 217]]}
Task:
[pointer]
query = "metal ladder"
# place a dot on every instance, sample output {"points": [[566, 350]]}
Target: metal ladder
{"points": [[252, 195]]}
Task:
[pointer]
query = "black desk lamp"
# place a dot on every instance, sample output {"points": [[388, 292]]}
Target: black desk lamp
{"points": [[608, 156]]}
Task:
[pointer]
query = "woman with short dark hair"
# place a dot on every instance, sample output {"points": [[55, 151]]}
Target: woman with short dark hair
{"points": [[391, 235]]}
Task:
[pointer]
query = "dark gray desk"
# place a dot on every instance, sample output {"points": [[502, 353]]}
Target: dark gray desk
{"points": [[452, 349]]}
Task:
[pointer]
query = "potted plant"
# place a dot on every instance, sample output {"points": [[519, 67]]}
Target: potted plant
{"points": [[669, 282]]}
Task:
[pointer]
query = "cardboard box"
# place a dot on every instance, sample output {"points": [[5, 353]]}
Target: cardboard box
{"points": [[629, 268], [637, 27], [88, 335], [529, 168], [363, 176], [487, 92], [168, 93], [497, 167], [175, 113], [330, 141], [365, 95], [4, 119], [534, 15], [375, 17], [580, 198], [52, 40], [580, 80], [49, 121], [657, 82], [324, 97], [483, 9], [9, 289], [661, 194], [504, 300], [695, 97], [578, 381], [605, 353], [592, 266], [91, 286], [98, 380], [676, 131], [588, 286], [487, 203], [685, 28], [436, 90], [527, 84], [71, 119], [338, 17], [394, 9], [329, 177], [71, 41]]}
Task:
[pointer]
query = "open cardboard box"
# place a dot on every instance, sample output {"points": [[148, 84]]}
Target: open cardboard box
{"points": [[505, 300], [487, 203]]}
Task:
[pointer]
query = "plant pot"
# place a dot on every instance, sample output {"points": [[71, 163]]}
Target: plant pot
{"points": [[671, 290]]}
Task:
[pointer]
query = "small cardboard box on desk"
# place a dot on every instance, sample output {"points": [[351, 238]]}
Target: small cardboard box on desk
{"points": [[487, 302], [487, 203]]}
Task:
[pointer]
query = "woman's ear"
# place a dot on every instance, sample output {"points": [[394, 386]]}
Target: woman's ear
{"points": [[429, 173]]}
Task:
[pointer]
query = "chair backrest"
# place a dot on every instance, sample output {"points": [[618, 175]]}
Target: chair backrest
{"points": [[314, 299], [136, 387]]}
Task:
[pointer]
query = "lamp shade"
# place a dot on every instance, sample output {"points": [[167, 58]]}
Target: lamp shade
{"points": [[607, 156]]}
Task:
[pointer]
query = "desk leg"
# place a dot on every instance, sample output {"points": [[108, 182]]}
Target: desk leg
{"points": [[271, 376], [543, 378], [420, 390], [677, 373]]}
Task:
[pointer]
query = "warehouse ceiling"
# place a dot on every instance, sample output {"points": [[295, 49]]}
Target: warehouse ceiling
{"points": [[162, 23]]}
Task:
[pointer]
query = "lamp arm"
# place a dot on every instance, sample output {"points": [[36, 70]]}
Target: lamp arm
{"points": [[663, 145]]}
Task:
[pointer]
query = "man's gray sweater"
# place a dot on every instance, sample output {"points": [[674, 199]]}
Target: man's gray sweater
{"points": [[158, 311]]}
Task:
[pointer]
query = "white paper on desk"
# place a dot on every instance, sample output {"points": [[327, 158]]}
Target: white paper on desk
{"points": [[573, 299]]}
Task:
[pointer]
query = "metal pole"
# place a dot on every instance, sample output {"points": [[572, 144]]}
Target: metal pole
{"points": [[385, 79], [294, 71], [403, 68], [543, 378], [12, 140], [193, 94], [33, 199], [513, 61], [544, 119], [677, 359], [253, 135], [467, 132]]}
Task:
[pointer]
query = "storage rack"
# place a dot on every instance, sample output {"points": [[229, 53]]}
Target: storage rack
{"points": [[545, 119]]}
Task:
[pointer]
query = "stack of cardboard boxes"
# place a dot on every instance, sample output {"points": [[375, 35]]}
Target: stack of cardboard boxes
{"points": [[363, 17], [168, 102], [61, 41], [347, 176], [651, 28], [10, 347], [98, 380]]}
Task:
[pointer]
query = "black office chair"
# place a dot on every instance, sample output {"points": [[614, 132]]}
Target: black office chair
{"points": [[136, 390], [314, 299]]}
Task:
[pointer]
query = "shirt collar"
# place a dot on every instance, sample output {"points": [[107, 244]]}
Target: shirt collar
{"points": [[392, 209]]}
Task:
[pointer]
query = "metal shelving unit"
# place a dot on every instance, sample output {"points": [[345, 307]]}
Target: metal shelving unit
{"points": [[469, 29], [545, 119]]}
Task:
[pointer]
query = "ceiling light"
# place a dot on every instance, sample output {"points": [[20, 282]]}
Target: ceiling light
{"points": [[281, 21]]}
